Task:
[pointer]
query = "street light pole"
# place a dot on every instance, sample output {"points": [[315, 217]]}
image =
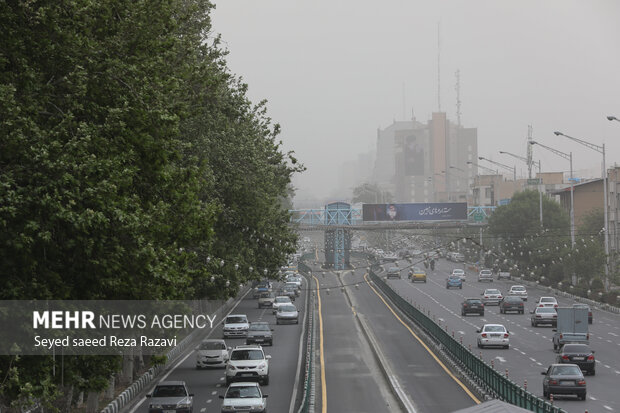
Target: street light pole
{"points": [[600, 149], [568, 156], [511, 169]]}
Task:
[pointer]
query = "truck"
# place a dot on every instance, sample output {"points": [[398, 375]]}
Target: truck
{"points": [[572, 327]]}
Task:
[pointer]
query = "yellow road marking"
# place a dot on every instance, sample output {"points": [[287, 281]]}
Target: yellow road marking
{"points": [[321, 356], [469, 393]]}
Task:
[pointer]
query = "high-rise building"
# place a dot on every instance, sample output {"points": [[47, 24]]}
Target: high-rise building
{"points": [[420, 162]]}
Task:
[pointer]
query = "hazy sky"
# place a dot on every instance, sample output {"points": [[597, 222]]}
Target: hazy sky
{"points": [[333, 72]]}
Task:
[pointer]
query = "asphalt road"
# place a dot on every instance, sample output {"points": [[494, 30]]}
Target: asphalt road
{"points": [[207, 385], [531, 349]]}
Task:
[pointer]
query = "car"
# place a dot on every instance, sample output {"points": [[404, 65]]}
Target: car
{"points": [[295, 279], [244, 397], [417, 274], [287, 314], [171, 396], [259, 333], [211, 353], [236, 325], [459, 272], [511, 303], [289, 291], [503, 275], [547, 302], [492, 296], [581, 305], [544, 315], [280, 300], [485, 275], [293, 285], [389, 256], [262, 287], [493, 335], [472, 305], [456, 257], [454, 281], [265, 299], [393, 272], [564, 379], [518, 291], [248, 363], [579, 354]]}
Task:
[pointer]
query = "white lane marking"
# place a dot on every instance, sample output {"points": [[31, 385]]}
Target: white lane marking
{"points": [[592, 398], [606, 366], [213, 393], [204, 409], [461, 332], [539, 363], [617, 372], [608, 408], [613, 334], [501, 359], [221, 378], [209, 401]]}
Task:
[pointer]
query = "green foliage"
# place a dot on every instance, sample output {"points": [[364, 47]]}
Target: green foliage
{"points": [[128, 155]]}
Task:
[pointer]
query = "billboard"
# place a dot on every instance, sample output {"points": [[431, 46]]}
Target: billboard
{"points": [[415, 212]]}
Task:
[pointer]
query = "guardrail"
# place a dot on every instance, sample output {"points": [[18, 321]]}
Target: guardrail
{"points": [[493, 382], [306, 402]]}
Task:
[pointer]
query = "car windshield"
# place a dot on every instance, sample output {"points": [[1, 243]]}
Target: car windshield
{"points": [[170, 391], [393, 269], [212, 345], [455, 278], [243, 392], [547, 300], [485, 272], [247, 355], [287, 308], [492, 292], [566, 371], [494, 329], [545, 310], [236, 320], [513, 300], [265, 295], [259, 326]]}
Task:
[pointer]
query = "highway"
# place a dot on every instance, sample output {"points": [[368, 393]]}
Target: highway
{"points": [[207, 385], [353, 381], [531, 349]]}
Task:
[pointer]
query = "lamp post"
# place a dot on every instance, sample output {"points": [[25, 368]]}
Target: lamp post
{"points": [[600, 149], [613, 118], [513, 169], [568, 156]]}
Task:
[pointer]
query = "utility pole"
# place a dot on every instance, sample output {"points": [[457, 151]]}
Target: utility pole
{"points": [[529, 152]]}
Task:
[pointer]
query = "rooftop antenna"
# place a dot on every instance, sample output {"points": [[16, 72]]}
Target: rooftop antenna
{"points": [[458, 97], [529, 151], [439, 65]]}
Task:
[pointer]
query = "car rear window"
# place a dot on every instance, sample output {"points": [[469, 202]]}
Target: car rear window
{"points": [[545, 310], [474, 301], [287, 308], [210, 345], [566, 371], [494, 329], [169, 391], [575, 348], [247, 355]]}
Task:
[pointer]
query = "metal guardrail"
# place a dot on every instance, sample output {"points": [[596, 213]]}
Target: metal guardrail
{"points": [[308, 379], [490, 379]]}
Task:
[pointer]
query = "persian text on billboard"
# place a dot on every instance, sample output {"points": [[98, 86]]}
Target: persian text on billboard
{"points": [[415, 212]]}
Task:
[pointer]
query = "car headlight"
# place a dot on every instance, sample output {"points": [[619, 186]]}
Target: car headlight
{"points": [[262, 365], [183, 405], [156, 406], [231, 367]]}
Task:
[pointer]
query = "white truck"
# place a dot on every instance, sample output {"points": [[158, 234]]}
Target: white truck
{"points": [[572, 327]]}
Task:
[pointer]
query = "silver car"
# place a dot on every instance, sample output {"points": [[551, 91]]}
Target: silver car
{"points": [[493, 335], [244, 397], [211, 353], [544, 315], [171, 397], [492, 296], [518, 291], [287, 314], [485, 275]]}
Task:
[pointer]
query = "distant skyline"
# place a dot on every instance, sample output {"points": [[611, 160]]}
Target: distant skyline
{"points": [[334, 72]]}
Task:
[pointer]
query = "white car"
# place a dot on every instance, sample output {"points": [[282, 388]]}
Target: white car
{"points": [[287, 314], [236, 325], [280, 300], [248, 363], [493, 335], [492, 296], [485, 275], [460, 273], [518, 291], [244, 397], [211, 353], [547, 302]]}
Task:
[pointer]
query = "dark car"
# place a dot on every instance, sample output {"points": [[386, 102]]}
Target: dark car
{"points": [[472, 305], [579, 354], [511, 304], [259, 333], [589, 311], [564, 379]]}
